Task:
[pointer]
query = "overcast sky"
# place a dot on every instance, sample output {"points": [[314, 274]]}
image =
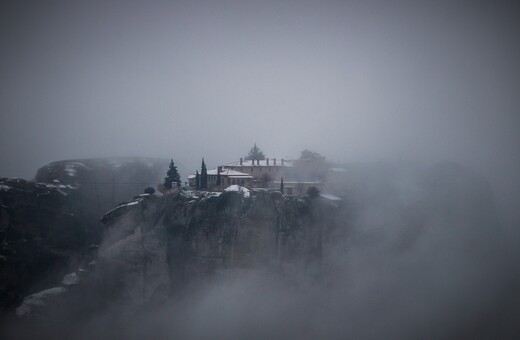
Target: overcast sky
{"points": [[353, 80]]}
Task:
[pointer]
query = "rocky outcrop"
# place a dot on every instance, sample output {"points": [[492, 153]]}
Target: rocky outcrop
{"points": [[164, 247], [41, 232], [177, 241], [103, 183], [51, 225]]}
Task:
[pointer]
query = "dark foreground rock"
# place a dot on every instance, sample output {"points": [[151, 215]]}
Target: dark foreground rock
{"points": [[41, 234], [51, 225]]}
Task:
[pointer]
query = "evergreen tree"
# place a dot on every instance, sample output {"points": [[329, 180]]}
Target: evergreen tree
{"points": [[265, 179], [281, 185], [255, 153], [203, 176], [313, 192], [218, 177], [172, 176], [197, 180], [307, 154]]}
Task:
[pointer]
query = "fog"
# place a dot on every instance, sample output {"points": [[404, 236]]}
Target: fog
{"points": [[189, 79], [357, 81]]}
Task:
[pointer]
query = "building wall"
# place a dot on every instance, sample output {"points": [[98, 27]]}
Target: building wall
{"points": [[275, 172], [244, 182], [297, 188], [225, 181]]}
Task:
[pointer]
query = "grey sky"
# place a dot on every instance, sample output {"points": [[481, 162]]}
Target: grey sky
{"points": [[352, 80]]}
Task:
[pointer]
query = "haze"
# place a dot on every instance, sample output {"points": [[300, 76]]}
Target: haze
{"points": [[357, 81], [352, 80]]}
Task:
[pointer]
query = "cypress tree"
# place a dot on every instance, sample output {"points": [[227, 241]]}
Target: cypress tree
{"points": [[281, 185], [313, 192], [203, 176], [197, 180]]}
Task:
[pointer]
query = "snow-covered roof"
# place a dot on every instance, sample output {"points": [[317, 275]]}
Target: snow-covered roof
{"points": [[330, 197], [298, 182], [286, 162], [227, 172], [234, 173]]}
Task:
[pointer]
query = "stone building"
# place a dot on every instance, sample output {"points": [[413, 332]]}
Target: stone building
{"points": [[227, 177], [298, 174]]}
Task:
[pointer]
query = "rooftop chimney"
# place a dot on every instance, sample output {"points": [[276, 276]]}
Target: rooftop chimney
{"points": [[282, 161], [267, 161], [240, 160], [274, 161]]}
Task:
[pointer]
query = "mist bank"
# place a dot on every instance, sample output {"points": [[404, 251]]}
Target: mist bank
{"points": [[413, 251]]}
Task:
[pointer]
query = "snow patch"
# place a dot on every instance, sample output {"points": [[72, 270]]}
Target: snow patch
{"points": [[71, 279], [37, 300], [237, 188], [70, 169]]}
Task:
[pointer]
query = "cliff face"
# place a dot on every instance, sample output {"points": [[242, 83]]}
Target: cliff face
{"points": [[47, 226], [166, 244], [103, 183], [40, 233]]}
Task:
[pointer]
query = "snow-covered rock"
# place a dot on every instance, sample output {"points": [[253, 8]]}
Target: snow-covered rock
{"points": [[237, 188], [71, 279], [37, 301]]}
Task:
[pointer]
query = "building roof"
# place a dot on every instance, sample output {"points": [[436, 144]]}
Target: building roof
{"points": [[337, 170], [330, 197], [227, 172], [234, 173], [286, 162]]}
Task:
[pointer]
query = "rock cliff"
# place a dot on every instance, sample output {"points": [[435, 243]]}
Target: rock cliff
{"points": [[51, 225], [180, 240], [41, 232]]}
